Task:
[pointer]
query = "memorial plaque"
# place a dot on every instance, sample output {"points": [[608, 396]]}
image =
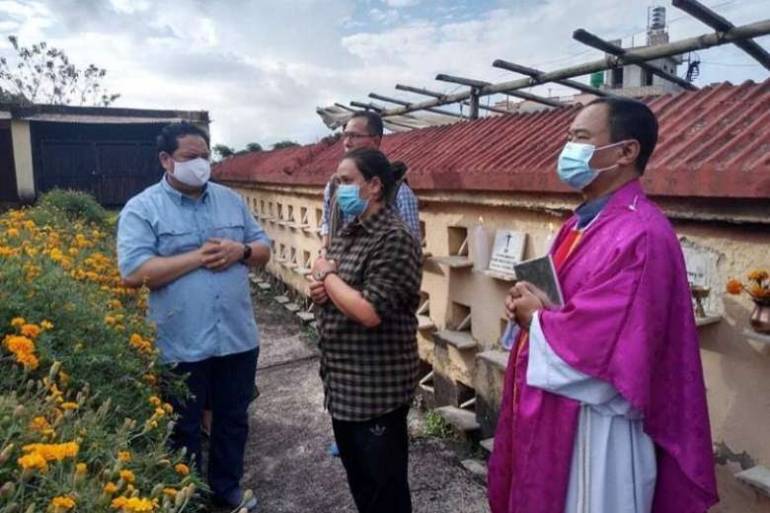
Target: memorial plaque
{"points": [[507, 251]]}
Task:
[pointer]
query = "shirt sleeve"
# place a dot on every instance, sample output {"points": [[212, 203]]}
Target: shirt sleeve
{"points": [[326, 208], [408, 210], [137, 241], [253, 232], [545, 370], [392, 276]]}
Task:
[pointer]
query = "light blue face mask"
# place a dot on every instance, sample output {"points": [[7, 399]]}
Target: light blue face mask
{"points": [[573, 167], [350, 201]]}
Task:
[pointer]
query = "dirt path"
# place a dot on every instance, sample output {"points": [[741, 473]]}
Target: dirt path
{"points": [[287, 463]]}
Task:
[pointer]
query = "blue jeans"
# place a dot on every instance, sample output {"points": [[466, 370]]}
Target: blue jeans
{"points": [[226, 384]]}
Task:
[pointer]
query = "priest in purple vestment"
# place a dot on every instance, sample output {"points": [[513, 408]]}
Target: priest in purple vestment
{"points": [[604, 404]]}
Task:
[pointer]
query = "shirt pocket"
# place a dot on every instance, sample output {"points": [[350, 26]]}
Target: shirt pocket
{"points": [[231, 231], [174, 241]]}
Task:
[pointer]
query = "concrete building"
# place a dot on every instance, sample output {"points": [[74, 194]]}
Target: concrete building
{"points": [[106, 151], [710, 174]]}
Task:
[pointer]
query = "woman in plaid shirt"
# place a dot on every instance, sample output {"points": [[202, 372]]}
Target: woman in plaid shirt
{"points": [[368, 288]]}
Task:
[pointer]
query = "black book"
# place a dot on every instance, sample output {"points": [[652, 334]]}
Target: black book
{"points": [[541, 273]]}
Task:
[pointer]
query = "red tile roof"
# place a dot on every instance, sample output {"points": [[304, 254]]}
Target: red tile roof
{"points": [[714, 142]]}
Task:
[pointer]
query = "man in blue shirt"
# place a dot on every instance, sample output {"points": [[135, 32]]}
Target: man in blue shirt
{"points": [[191, 243], [364, 130]]}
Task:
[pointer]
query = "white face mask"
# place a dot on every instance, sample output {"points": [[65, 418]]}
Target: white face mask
{"points": [[195, 172]]}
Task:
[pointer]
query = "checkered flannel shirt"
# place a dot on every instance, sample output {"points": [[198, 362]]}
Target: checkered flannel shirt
{"points": [[368, 372]]}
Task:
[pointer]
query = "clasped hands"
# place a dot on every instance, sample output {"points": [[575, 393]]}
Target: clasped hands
{"points": [[523, 300], [219, 254], [322, 265]]}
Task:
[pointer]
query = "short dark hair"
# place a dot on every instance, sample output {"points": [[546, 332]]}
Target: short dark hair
{"points": [[373, 163], [631, 119], [373, 121], [168, 139]]}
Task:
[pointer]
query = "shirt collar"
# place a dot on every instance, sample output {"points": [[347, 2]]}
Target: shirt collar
{"points": [[179, 197], [373, 223], [588, 211]]}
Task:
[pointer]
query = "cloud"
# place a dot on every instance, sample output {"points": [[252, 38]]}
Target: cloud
{"points": [[261, 68]]}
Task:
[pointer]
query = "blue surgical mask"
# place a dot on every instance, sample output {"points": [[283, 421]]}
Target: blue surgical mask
{"points": [[350, 201], [573, 167]]}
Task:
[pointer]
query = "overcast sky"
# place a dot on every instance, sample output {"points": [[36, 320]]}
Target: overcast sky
{"points": [[261, 67]]}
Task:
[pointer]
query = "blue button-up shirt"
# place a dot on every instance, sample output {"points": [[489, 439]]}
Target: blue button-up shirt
{"points": [[203, 313]]}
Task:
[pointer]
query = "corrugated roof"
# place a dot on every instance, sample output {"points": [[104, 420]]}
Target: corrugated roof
{"points": [[714, 142]]}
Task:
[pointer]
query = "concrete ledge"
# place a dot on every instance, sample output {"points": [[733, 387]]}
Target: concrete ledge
{"points": [[292, 307], [488, 444], [264, 286], [757, 477], [453, 262], [463, 420], [476, 467], [496, 357], [425, 323], [281, 300], [461, 340], [306, 316]]}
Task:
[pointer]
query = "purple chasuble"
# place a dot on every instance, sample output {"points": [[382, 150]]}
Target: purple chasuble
{"points": [[627, 320]]}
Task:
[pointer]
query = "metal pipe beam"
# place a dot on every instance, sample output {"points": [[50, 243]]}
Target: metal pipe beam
{"points": [[536, 73], [751, 30], [479, 84], [367, 106], [443, 112], [434, 94], [700, 12], [344, 107], [595, 41]]}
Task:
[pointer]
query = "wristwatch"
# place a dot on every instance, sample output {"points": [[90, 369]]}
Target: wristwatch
{"points": [[321, 275], [246, 252]]}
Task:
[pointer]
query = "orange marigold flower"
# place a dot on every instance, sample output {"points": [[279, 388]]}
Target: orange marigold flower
{"points": [[734, 286], [155, 400], [30, 330], [19, 344], [171, 492], [127, 476], [69, 405], [62, 503], [124, 456], [759, 275], [39, 424], [28, 360], [110, 488], [182, 469]]}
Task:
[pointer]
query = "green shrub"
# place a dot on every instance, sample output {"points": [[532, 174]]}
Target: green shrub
{"points": [[83, 424]]}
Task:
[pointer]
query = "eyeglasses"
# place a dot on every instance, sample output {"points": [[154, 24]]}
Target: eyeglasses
{"points": [[354, 135]]}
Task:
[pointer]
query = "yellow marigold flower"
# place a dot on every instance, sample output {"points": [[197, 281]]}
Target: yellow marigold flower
{"points": [[758, 275], [119, 502], [140, 505], [81, 469], [18, 322], [127, 476], [150, 379], [33, 461], [12, 232], [168, 408], [110, 488], [170, 492], [46, 325], [39, 424], [62, 503], [69, 405], [182, 469], [155, 400], [124, 456], [52, 452], [64, 378], [30, 330]]}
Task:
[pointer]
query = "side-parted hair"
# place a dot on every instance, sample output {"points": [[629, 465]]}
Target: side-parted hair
{"points": [[373, 121], [168, 139], [631, 119]]}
